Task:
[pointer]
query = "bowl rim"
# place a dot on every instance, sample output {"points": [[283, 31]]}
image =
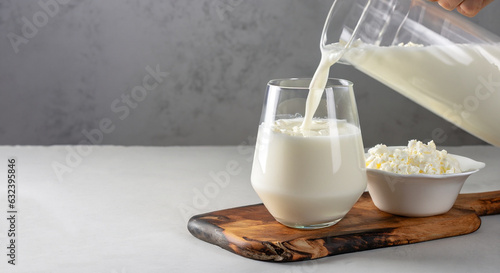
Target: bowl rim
{"points": [[423, 175]]}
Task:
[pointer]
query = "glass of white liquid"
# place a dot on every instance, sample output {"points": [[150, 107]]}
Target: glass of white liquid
{"points": [[309, 178]]}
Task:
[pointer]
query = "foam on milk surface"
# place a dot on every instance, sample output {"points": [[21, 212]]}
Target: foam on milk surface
{"points": [[317, 127]]}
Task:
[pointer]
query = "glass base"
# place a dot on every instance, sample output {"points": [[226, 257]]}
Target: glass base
{"points": [[312, 226]]}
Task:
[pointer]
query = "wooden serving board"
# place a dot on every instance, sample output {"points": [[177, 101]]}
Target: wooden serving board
{"points": [[252, 232]]}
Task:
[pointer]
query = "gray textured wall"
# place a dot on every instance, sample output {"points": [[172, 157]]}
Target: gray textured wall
{"points": [[84, 69]]}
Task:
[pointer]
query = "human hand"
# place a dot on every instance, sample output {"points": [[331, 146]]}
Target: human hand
{"points": [[468, 8]]}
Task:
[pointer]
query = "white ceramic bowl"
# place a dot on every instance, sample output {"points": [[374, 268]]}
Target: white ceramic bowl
{"points": [[419, 195]]}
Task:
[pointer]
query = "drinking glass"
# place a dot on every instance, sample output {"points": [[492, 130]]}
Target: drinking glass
{"points": [[309, 179]]}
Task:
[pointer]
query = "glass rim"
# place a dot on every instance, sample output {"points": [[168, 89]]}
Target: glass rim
{"points": [[331, 83]]}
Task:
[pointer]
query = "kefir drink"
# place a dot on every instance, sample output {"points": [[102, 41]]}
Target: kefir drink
{"points": [[309, 179], [460, 83], [310, 172]]}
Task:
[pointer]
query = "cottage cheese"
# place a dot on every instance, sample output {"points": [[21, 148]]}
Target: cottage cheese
{"points": [[417, 158]]}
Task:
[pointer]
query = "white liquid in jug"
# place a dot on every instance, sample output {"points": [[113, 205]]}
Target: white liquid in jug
{"points": [[460, 83]]}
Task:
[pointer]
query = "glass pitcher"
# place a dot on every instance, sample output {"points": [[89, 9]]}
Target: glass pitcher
{"points": [[434, 57]]}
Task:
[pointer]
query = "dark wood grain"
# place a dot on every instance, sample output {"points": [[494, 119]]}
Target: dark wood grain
{"points": [[484, 203], [252, 232]]}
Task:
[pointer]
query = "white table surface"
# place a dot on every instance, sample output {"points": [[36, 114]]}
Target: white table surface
{"points": [[125, 209]]}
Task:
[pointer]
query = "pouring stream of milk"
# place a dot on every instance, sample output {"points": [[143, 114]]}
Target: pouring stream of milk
{"points": [[329, 56]]}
